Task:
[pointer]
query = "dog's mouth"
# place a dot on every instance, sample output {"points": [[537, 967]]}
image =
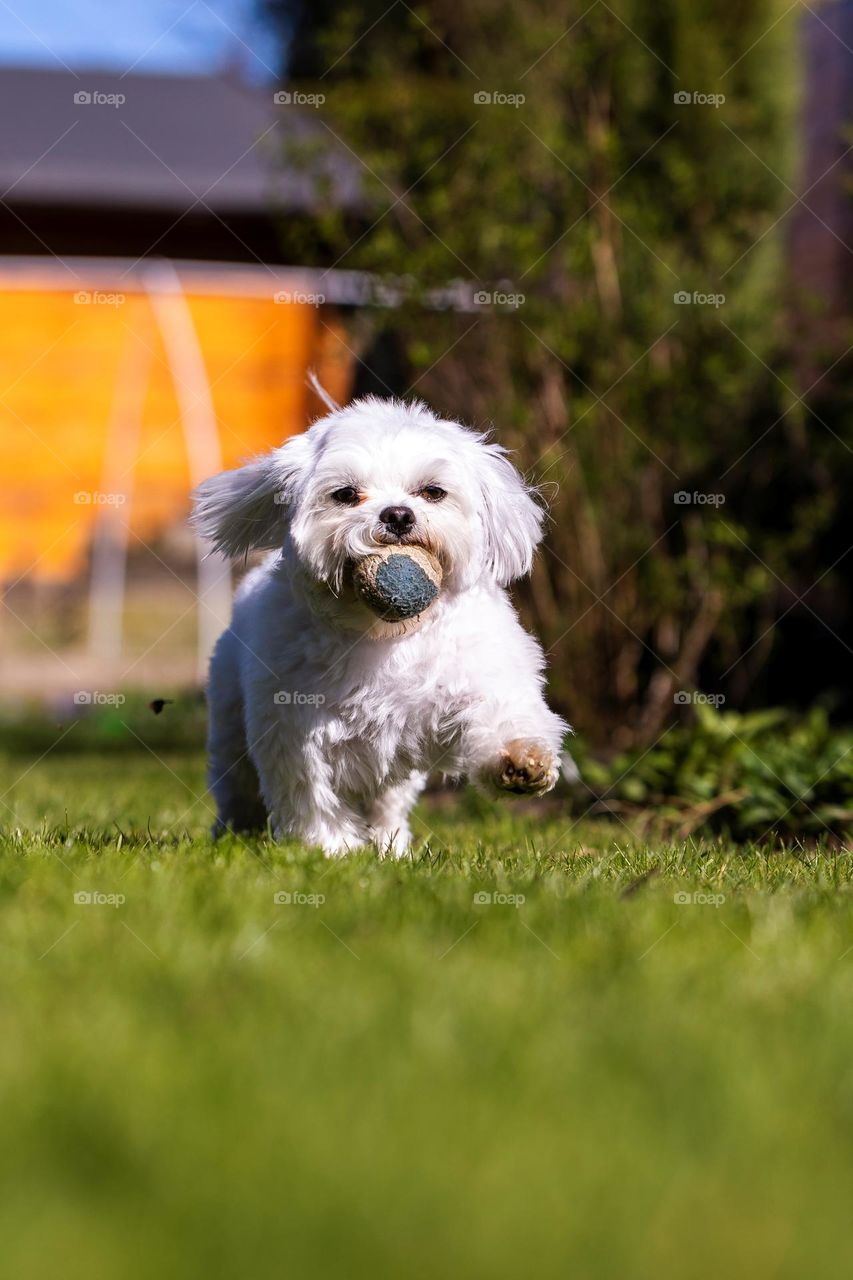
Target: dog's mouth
{"points": [[387, 538], [413, 538]]}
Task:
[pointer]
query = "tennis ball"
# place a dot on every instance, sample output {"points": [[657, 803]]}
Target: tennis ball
{"points": [[398, 583]]}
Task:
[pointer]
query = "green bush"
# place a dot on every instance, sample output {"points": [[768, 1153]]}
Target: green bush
{"points": [[751, 776], [598, 199]]}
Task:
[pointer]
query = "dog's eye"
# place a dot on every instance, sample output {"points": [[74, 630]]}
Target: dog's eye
{"points": [[432, 492], [347, 497]]}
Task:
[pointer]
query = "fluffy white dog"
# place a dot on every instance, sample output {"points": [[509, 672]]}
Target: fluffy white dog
{"points": [[325, 719]]}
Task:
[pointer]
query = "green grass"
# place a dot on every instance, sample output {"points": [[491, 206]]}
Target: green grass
{"points": [[597, 1082]]}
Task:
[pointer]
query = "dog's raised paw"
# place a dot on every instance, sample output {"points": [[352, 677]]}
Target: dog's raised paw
{"points": [[526, 768]]}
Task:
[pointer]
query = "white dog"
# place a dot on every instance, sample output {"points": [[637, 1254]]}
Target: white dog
{"points": [[325, 719]]}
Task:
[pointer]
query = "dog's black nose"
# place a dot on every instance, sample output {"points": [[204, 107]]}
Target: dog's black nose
{"points": [[397, 519]]}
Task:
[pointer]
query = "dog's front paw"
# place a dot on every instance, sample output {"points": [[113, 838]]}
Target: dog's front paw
{"points": [[526, 768]]}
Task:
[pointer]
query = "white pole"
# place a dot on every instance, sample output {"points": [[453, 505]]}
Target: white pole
{"points": [[112, 522], [201, 436]]}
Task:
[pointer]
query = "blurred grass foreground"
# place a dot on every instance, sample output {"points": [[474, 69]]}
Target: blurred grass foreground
{"points": [[538, 1042]]}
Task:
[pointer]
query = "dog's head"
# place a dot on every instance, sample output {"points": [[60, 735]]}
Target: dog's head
{"points": [[379, 473]]}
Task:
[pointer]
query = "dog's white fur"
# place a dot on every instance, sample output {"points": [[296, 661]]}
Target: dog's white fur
{"points": [[327, 721]]}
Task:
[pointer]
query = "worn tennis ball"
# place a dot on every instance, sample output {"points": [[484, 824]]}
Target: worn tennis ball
{"points": [[398, 583]]}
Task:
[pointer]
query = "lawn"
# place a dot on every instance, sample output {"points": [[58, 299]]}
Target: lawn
{"points": [[633, 1059]]}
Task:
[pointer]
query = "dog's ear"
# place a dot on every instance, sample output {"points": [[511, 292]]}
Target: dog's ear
{"points": [[248, 509], [512, 517]]}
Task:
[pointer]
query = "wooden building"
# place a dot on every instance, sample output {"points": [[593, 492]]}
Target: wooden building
{"points": [[151, 334]]}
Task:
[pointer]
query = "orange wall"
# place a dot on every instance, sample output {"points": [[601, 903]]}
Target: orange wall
{"points": [[59, 365]]}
